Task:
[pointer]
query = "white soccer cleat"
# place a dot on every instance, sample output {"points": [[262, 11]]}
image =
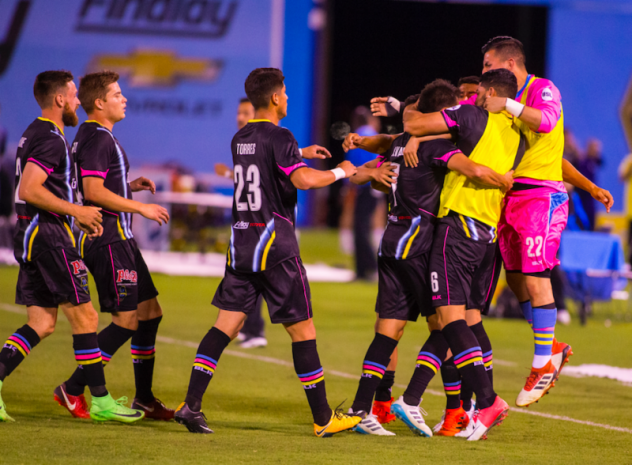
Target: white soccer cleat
{"points": [[538, 383], [487, 418], [254, 342], [370, 425], [412, 416]]}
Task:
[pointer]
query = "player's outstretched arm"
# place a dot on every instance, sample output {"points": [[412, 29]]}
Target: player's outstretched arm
{"points": [[385, 106], [33, 192], [308, 178], [480, 174], [143, 184], [315, 152], [378, 144], [370, 172], [410, 151], [574, 177], [95, 192], [532, 117], [423, 124]]}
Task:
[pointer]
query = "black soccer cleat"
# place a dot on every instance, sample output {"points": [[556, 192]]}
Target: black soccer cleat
{"points": [[194, 421]]}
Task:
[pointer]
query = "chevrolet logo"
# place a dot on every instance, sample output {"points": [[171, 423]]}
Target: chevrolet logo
{"points": [[154, 68]]}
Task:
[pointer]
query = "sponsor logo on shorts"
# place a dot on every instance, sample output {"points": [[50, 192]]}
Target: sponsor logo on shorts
{"points": [[258, 225], [241, 225], [126, 275], [78, 266], [84, 284], [436, 297], [392, 218]]}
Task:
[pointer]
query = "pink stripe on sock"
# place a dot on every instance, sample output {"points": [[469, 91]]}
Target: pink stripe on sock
{"points": [[205, 362], [428, 359], [21, 343], [71, 277], [143, 352], [468, 357], [309, 378], [451, 388], [373, 367], [88, 356]]}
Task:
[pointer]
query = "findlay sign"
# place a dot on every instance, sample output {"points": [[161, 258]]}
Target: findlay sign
{"points": [[182, 65], [180, 18]]}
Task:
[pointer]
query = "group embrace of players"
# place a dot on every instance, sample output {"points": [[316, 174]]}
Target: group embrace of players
{"points": [[470, 186]]}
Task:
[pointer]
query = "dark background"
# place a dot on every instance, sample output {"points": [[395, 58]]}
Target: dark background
{"points": [[380, 48]]}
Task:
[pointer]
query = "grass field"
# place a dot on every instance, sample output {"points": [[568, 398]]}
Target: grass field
{"points": [[259, 412]]}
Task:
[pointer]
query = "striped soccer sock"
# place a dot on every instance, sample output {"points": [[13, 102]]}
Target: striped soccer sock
{"points": [[111, 339], [144, 357], [451, 384], [374, 366], [486, 347], [311, 374], [544, 318], [429, 362], [468, 359], [208, 354], [384, 390], [527, 311], [16, 348], [88, 356]]}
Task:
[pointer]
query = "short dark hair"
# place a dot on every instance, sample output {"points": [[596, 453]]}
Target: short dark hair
{"points": [[48, 83], [95, 86], [437, 95], [503, 80], [410, 100], [507, 47], [244, 100], [261, 84], [469, 80]]}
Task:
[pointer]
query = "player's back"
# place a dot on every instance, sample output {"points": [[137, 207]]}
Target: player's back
{"points": [[264, 203], [493, 140], [543, 156], [413, 200], [98, 154], [38, 230]]}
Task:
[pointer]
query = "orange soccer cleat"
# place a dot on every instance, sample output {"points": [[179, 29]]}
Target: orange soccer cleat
{"points": [[382, 410], [538, 383], [454, 420]]}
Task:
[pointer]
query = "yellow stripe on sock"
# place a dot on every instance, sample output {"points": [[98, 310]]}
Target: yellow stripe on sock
{"points": [[15, 344], [317, 380], [453, 393], [488, 364], [544, 343], [206, 367], [371, 372], [143, 357], [90, 362], [543, 335], [427, 364], [467, 362]]}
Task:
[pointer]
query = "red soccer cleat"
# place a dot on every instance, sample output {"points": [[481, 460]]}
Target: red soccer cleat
{"points": [[487, 418], [76, 405], [560, 352], [154, 410], [382, 410], [454, 420], [538, 383]]}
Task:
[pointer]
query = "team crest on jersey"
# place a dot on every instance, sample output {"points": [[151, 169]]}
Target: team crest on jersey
{"points": [[122, 292], [21, 143], [84, 284], [547, 94], [241, 225], [74, 147], [78, 266], [126, 275]]}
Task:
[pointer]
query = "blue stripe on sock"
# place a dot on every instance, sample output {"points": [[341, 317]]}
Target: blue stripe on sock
{"points": [[205, 358], [311, 373]]}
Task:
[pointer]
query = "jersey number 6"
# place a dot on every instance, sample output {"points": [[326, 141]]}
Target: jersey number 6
{"points": [[254, 190]]}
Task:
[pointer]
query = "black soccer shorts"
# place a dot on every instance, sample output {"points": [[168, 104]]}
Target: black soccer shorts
{"points": [[284, 288], [462, 271], [121, 275], [403, 291], [54, 277]]}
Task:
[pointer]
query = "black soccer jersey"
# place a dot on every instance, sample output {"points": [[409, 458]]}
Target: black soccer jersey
{"points": [[43, 143], [414, 199], [99, 154], [264, 203]]}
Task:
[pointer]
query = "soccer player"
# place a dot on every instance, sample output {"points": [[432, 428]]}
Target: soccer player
{"points": [[468, 86], [263, 256], [404, 289], [124, 284], [52, 273], [460, 261], [536, 209]]}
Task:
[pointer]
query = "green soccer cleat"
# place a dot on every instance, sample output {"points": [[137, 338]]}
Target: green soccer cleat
{"points": [[4, 416], [107, 409]]}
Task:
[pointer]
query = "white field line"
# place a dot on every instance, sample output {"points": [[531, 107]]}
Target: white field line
{"points": [[341, 374]]}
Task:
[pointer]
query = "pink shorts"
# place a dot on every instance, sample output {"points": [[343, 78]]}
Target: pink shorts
{"points": [[530, 228]]}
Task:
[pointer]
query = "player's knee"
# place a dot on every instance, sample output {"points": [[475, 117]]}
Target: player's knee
{"points": [[44, 328], [149, 309]]}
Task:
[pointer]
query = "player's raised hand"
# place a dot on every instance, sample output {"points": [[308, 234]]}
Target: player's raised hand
{"points": [[143, 184], [603, 196], [495, 104], [385, 106], [89, 219], [348, 168], [508, 181], [410, 152], [385, 174], [315, 151], [154, 212], [222, 169], [352, 141]]}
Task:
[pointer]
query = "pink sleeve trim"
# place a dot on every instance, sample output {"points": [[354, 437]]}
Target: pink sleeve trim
{"points": [[48, 170], [101, 174], [469, 101], [290, 169], [449, 121], [448, 155], [380, 160]]}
